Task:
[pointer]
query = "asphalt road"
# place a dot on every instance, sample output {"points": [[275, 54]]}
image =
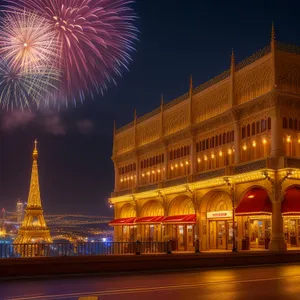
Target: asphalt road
{"points": [[265, 282]]}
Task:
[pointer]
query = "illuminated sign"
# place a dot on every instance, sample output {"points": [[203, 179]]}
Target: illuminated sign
{"points": [[219, 214]]}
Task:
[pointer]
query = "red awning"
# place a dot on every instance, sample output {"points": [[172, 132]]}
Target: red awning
{"points": [[123, 221], [150, 220], [187, 219], [291, 202], [255, 202]]}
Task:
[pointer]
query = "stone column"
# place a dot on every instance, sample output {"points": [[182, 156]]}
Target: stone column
{"points": [[277, 148], [277, 242], [237, 142]]}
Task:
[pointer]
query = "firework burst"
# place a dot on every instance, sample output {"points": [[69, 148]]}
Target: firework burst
{"points": [[27, 40], [22, 89], [95, 37]]}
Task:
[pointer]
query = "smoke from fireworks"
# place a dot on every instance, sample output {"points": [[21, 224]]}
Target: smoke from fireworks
{"points": [[27, 40], [95, 38]]}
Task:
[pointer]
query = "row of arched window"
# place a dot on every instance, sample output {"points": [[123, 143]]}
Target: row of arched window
{"points": [[290, 123], [215, 141], [180, 152], [152, 161], [127, 169], [256, 128]]}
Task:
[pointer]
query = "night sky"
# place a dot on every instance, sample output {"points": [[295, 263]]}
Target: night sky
{"points": [[177, 38]]}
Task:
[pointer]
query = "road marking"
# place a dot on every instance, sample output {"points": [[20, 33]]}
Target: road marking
{"points": [[146, 289]]}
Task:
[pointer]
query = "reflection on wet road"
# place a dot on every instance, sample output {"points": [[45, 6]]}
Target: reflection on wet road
{"points": [[267, 282]]}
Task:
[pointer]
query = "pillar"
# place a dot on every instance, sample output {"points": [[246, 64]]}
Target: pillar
{"points": [[193, 156], [237, 142], [277, 148], [166, 163], [137, 172], [277, 242]]}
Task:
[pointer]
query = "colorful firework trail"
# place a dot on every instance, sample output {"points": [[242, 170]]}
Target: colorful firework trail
{"points": [[95, 40], [21, 89], [27, 41]]}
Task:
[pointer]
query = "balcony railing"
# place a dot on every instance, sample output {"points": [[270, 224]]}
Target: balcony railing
{"points": [[82, 249]]}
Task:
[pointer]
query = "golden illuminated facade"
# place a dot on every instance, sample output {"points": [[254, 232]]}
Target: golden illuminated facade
{"points": [[34, 228], [227, 151]]}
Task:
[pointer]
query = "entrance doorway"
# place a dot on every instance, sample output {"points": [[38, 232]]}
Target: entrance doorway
{"points": [[260, 232], [292, 231], [220, 234], [184, 236]]}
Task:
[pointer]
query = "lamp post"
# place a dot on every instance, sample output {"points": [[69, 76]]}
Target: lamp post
{"points": [[232, 194]]}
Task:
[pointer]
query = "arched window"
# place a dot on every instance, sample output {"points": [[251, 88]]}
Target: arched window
{"points": [[171, 155], [178, 153], [197, 147], [296, 124], [207, 143], [188, 150], [243, 132], [217, 141], [212, 142], [248, 130], [181, 152], [220, 139], [269, 124], [263, 125], [184, 152], [162, 158], [232, 135], [257, 128], [228, 137], [203, 145], [147, 163], [290, 123], [253, 128], [224, 138], [284, 123]]}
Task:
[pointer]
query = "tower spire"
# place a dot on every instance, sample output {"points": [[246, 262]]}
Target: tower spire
{"points": [[162, 99], [232, 59], [273, 37], [191, 85], [34, 227]]}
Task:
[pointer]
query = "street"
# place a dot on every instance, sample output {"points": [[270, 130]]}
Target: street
{"points": [[265, 282]]}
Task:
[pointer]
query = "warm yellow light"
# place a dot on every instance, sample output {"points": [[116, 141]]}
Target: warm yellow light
{"points": [[229, 151], [158, 171], [186, 162], [251, 196], [254, 144], [122, 180], [148, 173], [176, 166], [153, 172], [181, 164], [220, 153], [298, 141], [143, 175], [25, 45], [172, 168], [212, 156], [199, 160], [131, 177], [244, 147], [264, 141], [288, 139], [205, 158]]}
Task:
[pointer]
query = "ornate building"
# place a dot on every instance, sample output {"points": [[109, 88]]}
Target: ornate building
{"points": [[225, 153], [33, 228]]}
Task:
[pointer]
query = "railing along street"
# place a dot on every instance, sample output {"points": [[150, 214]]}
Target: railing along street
{"points": [[82, 249]]}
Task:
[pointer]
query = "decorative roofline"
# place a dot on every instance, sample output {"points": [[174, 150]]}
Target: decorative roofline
{"points": [[289, 48]]}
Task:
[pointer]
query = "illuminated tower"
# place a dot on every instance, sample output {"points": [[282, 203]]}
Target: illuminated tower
{"points": [[34, 228]]}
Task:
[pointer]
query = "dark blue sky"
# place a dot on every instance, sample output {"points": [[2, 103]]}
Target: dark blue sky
{"points": [[177, 38]]}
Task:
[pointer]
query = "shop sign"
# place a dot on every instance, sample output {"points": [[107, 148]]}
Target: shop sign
{"points": [[219, 214]]}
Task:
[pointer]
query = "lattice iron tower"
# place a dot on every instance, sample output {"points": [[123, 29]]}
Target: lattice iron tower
{"points": [[34, 228]]}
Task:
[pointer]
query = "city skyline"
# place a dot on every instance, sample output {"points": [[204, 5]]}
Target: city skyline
{"points": [[76, 173]]}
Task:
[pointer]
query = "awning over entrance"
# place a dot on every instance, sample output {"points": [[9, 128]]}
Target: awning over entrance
{"points": [[123, 221], [291, 203], [255, 202], [150, 220], [185, 219]]}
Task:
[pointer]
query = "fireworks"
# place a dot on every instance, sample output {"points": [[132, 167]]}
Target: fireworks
{"points": [[95, 38], [27, 41], [22, 89]]}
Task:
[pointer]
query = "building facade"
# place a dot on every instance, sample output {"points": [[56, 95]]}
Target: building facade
{"points": [[227, 152]]}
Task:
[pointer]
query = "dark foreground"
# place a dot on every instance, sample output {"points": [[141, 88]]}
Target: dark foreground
{"points": [[265, 282]]}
